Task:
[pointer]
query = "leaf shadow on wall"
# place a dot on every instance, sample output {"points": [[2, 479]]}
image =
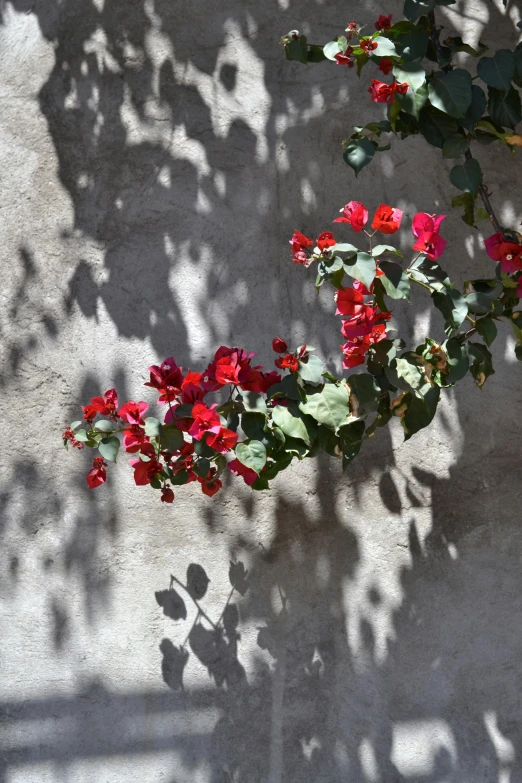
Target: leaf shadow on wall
{"points": [[192, 158], [440, 705]]}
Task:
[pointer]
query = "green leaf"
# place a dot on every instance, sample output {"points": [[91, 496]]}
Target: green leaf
{"points": [[288, 387], [343, 247], [253, 425], [365, 389], [253, 401], [252, 454], [312, 369], [419, 411], [453, 307], [468, 176], [109, 447], [431, 273], [412, 45], [487, 329], [203, 450], [413, 102], [414, 9], [504, 108], [476, 108], [152, 427], [497, 71], [350, 440], [358, 154], [179, 478], [458, 361], [411, 73], [456, 44], [315, 54], [104, 426], [378, 250], [76, 424], [171, 438], [82, 436], [478, 303], [202, 467], [297, 49], [395, 282], [380, 355], [467, 201], [411, 373], [334, 47], [328, 407], [451, 92], [436, 126], [291, 425], [363, 269], [385, 47], [482, 363], [455, 146]]}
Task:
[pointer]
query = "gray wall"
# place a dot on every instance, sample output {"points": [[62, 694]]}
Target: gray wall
{"points": [[155, 157]]}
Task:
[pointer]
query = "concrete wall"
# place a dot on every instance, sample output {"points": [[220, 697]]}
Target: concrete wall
{"points": [[155, 156]]}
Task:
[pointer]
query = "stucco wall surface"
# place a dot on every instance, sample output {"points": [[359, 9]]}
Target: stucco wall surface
{"points": [[155, 156]]}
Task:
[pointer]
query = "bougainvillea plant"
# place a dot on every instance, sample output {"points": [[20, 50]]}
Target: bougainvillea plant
{"points": [[233, 416], [427, 94]]}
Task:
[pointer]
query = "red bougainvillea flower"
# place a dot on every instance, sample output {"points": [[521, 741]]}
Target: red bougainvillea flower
{"points": [[222, 441], [383, 22], [355, 214], [205, 420], [423, 223], [349, 302], [167, 495], [300, 244], [134, 438], [145, 472], [97, 474], [352, 26], [288, 362], [385, 93], [210, 485], [89, 412], [279, 345], [430, 244], [325, 240], [107, 404], [167, 378], [508, 253], [363, 323], [368, 45], [132, 412], [386, 65], [381, 92], [355, 350], [387, 219], [345, 58], [268, 379], [248, 475], [68, 437], [426, 228]]}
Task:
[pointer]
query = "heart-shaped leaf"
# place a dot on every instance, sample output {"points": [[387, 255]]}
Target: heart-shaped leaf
{"points": [[467, 177]]}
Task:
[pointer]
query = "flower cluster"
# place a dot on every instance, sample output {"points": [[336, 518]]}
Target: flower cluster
{"points": [[385, 93], [196, 438], [301, 247], [363, 323]]}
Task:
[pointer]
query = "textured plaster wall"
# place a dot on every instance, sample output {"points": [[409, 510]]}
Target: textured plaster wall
{"points": [[155, 156]]}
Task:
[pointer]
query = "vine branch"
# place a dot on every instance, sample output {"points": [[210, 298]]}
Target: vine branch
{"points": [[482, 191]]}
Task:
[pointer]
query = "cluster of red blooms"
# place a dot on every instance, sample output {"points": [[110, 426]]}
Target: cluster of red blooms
{"points": [[367, 45], [385, 93], [365, 323], [68, 437], [184, 394], [301, 246]]}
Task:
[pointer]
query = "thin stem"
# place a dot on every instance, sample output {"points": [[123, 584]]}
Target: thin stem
{"points": [[432, 290]]}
